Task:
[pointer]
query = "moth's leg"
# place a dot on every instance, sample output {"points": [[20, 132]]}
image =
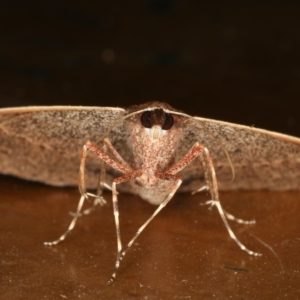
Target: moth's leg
{"points": [[84, 195], [105, 159], [231, 217], [123, 168], [99, 200], [124, 178], [206, 166], [118, 157], [227, 214], [211, 182], [101, 183], [187, 159], [81, 179], [72, 224], [202, 189]]}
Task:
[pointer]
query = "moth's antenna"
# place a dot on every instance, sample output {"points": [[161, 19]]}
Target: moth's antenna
{"points": [[120, 120], [117, 122]]}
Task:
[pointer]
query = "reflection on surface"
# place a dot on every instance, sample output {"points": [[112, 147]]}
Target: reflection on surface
{"points": [[185, 252]]}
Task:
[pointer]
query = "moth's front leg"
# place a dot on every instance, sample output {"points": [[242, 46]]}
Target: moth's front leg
{"points": [[101, 180], [119, 166]]}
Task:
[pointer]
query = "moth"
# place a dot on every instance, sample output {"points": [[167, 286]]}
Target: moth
{"points": [[151, 150]]}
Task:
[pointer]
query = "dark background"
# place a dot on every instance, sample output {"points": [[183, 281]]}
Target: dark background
{"points": [[225, 60], [218, 59]]}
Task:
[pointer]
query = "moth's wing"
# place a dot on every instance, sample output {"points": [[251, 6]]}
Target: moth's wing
{"points": [[261, 159], [45, 143]]}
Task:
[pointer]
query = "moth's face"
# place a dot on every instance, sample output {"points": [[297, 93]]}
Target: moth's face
{"points": [[154, 133], [156, 123]]}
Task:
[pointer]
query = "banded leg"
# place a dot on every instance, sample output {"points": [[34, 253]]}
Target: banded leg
{"points": [[212, 186], [228, 215], [99, 200], [72, 224], [125, 178], [120, 166], [84, 195], [121, 254], [211, 182], [231, 217]]}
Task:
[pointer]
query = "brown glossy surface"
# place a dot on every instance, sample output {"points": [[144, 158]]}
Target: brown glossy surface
{"points": [[185, 253]]}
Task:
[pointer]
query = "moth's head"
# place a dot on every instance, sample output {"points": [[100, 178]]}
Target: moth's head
{"points": [[156, 122], [156, 119]]}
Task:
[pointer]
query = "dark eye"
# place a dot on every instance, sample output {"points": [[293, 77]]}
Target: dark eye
{"points": [[169, 122], [146, 119]]}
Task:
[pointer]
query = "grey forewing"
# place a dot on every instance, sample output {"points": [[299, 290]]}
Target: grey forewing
{"points": [[45, 145], [261, 159]]}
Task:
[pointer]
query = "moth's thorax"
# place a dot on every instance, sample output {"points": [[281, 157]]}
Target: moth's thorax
{"points": [[153, 148]]}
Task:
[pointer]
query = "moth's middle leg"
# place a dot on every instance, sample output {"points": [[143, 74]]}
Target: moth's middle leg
{"points": [[101, 184]]}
